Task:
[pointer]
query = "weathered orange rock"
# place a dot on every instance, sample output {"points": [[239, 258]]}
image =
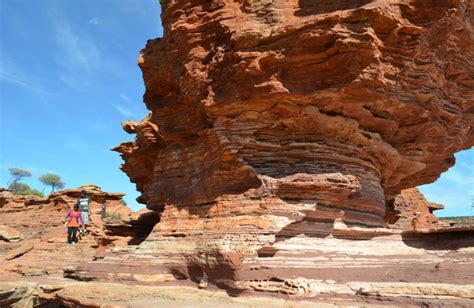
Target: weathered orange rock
{"points": [[15, 253], [9, 234], [40, 222], [411, 211], [280, 122], [284, 138], [239, 92]]}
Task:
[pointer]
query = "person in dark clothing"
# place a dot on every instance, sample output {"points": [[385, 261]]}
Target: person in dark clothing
{"points": [[73, 220]]}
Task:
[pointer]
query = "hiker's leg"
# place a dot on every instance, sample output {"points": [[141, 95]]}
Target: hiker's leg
{"points": [[74, 231], [69, 235], [86, 218]]}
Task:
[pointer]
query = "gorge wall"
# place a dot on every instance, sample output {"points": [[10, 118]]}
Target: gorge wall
{"points": [[278, 130]]}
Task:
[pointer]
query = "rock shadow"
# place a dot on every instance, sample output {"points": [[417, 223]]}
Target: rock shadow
{"points": [[143, 226], [315, 7], [453, 240]]}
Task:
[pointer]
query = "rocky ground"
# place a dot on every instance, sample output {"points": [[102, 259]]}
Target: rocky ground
{"points": [[109, 268]]}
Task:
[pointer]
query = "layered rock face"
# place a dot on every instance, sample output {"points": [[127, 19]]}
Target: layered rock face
{"points": [[358, 100], [274, 124], [33, 238]]}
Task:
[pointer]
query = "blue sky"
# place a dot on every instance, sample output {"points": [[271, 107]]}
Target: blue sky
{"points": [[68, 77], [455, 188]]}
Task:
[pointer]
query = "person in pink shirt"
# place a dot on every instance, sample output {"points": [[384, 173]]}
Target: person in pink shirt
{"points": [[73, 219]]}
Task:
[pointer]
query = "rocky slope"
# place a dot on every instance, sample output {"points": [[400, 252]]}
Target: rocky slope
{"points": [[282, 132], [34, 237]]}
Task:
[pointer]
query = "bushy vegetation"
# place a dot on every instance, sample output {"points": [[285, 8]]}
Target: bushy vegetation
{"points": [[24, 189], [48, 179], [53, 180]]}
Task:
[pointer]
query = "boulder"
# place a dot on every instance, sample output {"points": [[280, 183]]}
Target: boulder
{"points": [[17, 252], [10, 234]]}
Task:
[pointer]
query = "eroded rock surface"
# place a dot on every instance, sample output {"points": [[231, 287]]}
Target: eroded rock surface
{"points": [[281, 122], [410, 211], [38, 223], [359, 100]]}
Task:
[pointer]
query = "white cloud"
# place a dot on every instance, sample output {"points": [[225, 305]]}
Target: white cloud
{"points": [[125, 98], [125, 112], [74, 82], [78, 52], [78, 55], [15, 79], [467, 167], [82, 57], [99, 125], [93, 21], [453, 175], [15, 75]]}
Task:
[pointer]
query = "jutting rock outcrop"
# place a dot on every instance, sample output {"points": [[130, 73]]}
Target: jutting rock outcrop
{"points": [[359, 100], [280, 130], [411, 211]]}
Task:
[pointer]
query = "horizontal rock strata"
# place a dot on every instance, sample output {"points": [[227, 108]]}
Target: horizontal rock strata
{"points": [[92, 294], [280, 128], [280, 155]]}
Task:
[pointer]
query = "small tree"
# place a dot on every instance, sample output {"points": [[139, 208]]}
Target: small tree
{"points": [[17, 174], [53, 180]]}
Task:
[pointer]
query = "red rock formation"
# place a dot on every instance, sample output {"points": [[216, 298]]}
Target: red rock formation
{"points": [[34, 225], [9, 234], [243, 95], [280, 133], [275, 120], [411, 211]]}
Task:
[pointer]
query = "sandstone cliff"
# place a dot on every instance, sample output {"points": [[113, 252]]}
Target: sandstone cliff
{"points": [[411, 211], [342, 104], [281, 122]]}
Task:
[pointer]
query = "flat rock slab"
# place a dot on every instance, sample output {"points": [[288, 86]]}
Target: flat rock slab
{"points": [[15, 253], [60, 291], [9, 234]]}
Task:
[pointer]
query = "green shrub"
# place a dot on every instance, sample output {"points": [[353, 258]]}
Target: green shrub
{"points": [[34, 192], [24, 189], [113, 216], [18, 188]]}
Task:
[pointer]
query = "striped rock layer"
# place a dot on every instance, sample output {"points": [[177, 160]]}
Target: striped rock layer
{"points": [[275, 124]]}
